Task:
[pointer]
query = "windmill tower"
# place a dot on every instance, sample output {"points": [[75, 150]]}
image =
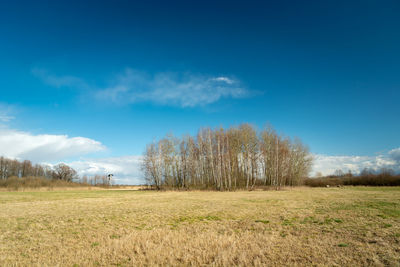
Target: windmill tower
{"points": [[109, 177]]}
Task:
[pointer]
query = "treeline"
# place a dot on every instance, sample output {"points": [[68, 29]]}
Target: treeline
{"points": [[25, 174], [14, 168], [101, 180], [226, 159], [365, 178]]}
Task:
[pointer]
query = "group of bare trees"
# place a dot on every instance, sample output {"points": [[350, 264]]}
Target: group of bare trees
{"points": [[238, 157], [21, 169], [14, 168], [102, 180]]}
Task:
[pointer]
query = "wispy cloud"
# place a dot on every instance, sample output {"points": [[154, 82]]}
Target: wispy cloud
{"points": [[167, 88], [6, 118], [5, 113], [185, 90], [326, 164], [59, 81], [44, 147]]}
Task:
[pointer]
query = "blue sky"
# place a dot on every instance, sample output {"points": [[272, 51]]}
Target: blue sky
{"points": [[118, 74]]}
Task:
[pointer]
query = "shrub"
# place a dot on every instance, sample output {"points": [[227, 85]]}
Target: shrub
{"points": [[367, 180]]}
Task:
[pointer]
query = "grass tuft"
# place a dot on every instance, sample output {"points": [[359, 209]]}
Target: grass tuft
{"points": [[262, 221]]}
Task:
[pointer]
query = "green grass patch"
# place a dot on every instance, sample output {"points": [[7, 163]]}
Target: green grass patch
{"points": [[262, 221]]}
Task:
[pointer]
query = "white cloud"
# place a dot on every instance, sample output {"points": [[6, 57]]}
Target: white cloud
{"points": [[44, 147], [329, 164], [224, 79], [395, 154], [126, 169], [167, 88]]}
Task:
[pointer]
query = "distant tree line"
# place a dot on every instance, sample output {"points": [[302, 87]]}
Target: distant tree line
{"points": [[364, 173], [96, 180], [367, 177], [24, 172], [226, 159], [14, 168]]}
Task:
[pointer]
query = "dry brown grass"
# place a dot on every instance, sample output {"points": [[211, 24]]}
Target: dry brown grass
{"points": [[43, 184], [303, 226], [31, 182]]}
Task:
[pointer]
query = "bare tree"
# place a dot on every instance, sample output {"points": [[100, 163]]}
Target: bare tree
{"points": [[64, 172], [151, 165]]}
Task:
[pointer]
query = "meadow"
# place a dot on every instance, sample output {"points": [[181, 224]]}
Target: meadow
{"points": [[348, 226]]}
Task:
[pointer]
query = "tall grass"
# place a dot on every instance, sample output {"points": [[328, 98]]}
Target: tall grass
{"points": [[15, 183]]}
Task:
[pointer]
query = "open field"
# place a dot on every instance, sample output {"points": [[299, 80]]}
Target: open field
{"points": [[301, 226]]}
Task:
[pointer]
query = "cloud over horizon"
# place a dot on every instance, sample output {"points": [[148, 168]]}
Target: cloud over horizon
{"points": [[44, 147], [52, 149], [126, 169], [395, 154], [165, 88], [327, 165]]}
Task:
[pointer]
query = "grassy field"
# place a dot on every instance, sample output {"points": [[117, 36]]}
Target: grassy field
{"points": [[354, 226]]}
